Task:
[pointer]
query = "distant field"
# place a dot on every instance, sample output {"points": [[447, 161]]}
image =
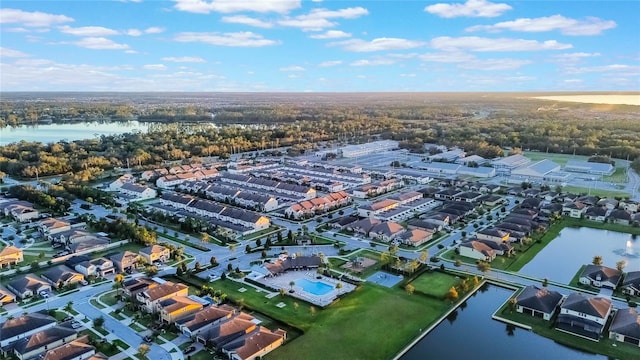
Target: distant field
{"points": [[596, 192], [561, 159], [596, 99]]}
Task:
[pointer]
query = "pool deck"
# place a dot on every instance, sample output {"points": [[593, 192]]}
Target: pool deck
{"points": [[282, 281]]}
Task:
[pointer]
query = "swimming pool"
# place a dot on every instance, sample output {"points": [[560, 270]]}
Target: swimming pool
{"points": [[314, 287]]}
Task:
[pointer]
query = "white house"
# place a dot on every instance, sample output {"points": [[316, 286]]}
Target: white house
{"points": [[138, 192]]}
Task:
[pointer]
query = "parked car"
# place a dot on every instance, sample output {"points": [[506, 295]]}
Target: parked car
{"points": [[190, 349], [68, 318], [147, 339], [76, 325]]}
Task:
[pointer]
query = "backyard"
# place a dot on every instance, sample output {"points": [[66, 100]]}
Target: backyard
{"points": [[435, 283], [605, 346]]}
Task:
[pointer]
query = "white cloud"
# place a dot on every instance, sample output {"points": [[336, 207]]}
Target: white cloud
{"points": [[318, 19], [100, 43], [472, 8], [32, 62], [184, 59], [294, 76], [246, 20], [573, 57], [292, 68], [412, 75], [379, 44], [231, 6], [567, 26], [573, 81], [447, 57], [31, 19], [160, 67], [331, 34], [17, 30], [237, 39], [11, 53], [494, 64], [151, 30], [330, 63], [372, 62], [605, 68], [88, 31], [474, 43]]}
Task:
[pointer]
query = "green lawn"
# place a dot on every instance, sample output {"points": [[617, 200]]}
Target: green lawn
{"points": [[96, 304], [201, 355], [372, 322], [619, 176], [262, 233], [109, 298], [435, 283], [136, 327], [596, 192], [121, 343], [545, 328], [561, 159]]}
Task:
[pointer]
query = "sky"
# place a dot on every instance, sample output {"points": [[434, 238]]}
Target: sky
{"points": [[319, 46]]}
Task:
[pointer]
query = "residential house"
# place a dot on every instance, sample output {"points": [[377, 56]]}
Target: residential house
{"points": [[119, 182], [629, 205], [10, 255], [78, 349], [600, 276], [52, 226], [584, 315], [620, 216], [151, 174], [133, 287], [40, 342], [492, 234], [500, 248], [625, 326], [538, 302], [255, 345], [631, 283], [232, 329], [62, 276], [477, 250], [21, 211], [28, 285], [154, 253], [285, 263], [416, 237], [89, 245], [608, 203], [138, 192], [24, 326], [125, 261], [177, 307], [596, 213], [421, 224], [96, 267], [386, 231], [363, 226], [377, 207], [192, 324], [151, 298], [6, 296], [574, 209]]}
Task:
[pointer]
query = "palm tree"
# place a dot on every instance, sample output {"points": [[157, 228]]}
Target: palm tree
{"points": [[292, 284], [597, 260]]}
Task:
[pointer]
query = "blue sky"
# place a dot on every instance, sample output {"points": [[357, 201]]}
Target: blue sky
{"points": [[293, 45]]}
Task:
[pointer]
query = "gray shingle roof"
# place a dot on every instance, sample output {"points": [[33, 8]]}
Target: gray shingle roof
{"points": [[540, 299]]}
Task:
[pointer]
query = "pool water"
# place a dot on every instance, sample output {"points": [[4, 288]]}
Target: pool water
{"points": [[314, 287]]}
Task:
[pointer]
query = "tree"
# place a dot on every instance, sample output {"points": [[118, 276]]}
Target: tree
{"points": [[409, 289], [69, 306], [213, 261], [452, 294], [98, 322], [620, 265], [312, 310], [484, 266], [296, 305], [458, 263], [282, 292], [597, 260], [512, 304], [258, 242], [223, 277], [247, 248], [292, 284], [339, 285], [263, 254], [232, 247], [545, 282], [197, 266], [143, 349], [204, 237], [424, 256]]}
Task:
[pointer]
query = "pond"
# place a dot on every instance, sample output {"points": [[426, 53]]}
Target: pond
{"points": [[47, 133], [561, 259], [470, 333]]}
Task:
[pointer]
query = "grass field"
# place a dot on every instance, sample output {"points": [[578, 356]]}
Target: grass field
{"points": [[607, 347], [619, 176], [435, 283], [561, 159], [372, 323], [596, 192]]}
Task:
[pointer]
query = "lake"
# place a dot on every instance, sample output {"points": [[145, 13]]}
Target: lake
{"points": [[470, 333], [47, 133], [561, 259]]}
